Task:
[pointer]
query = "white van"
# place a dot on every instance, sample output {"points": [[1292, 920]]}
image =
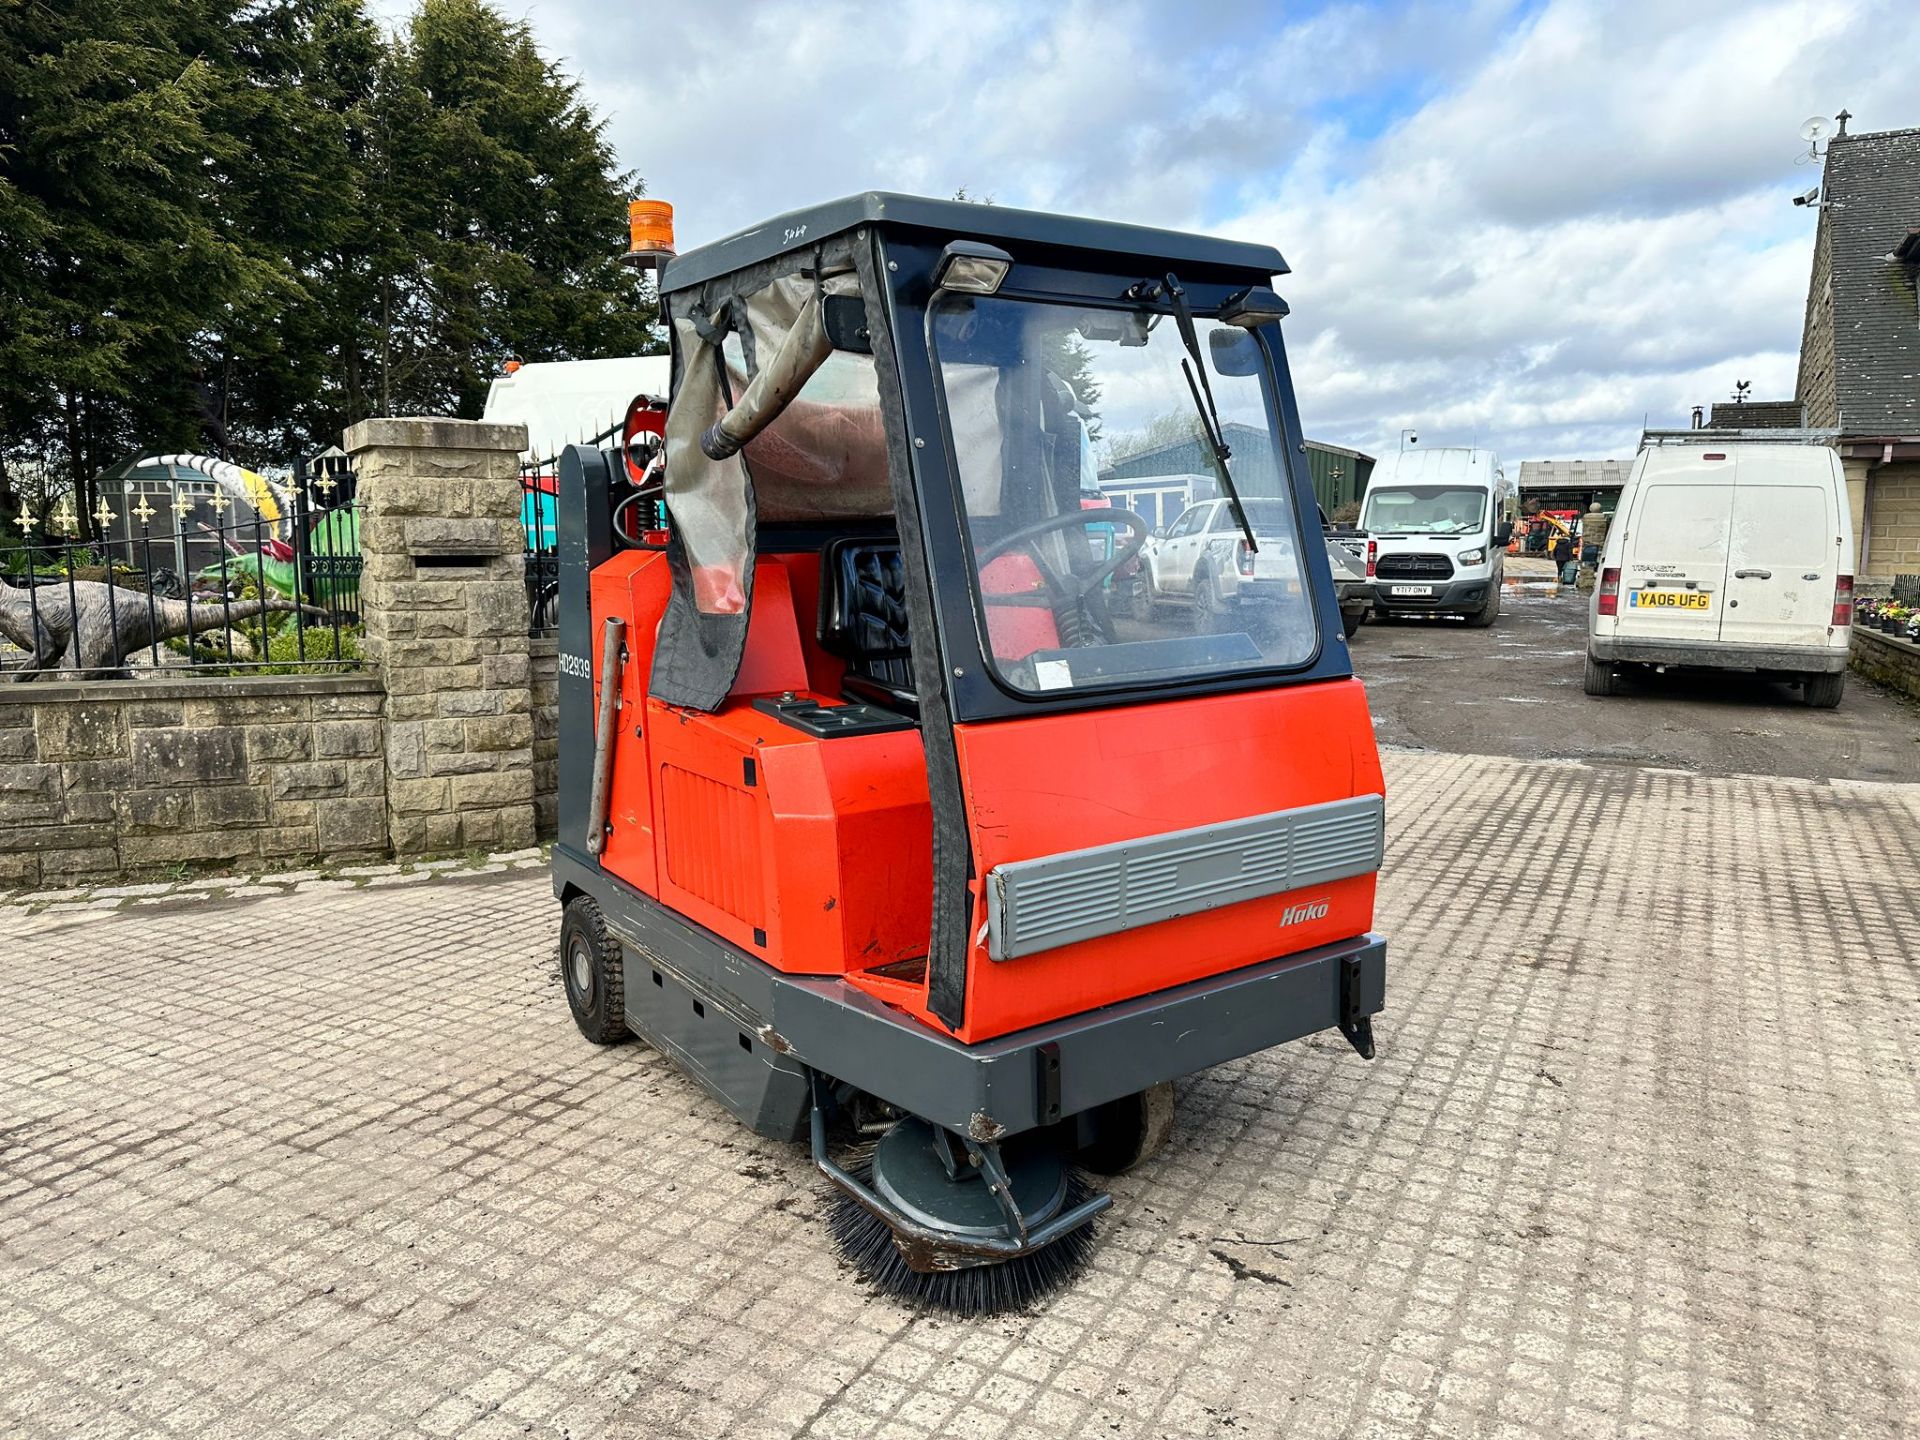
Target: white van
{"points": [[1729, 556], [572, 402], [1437, 533]]}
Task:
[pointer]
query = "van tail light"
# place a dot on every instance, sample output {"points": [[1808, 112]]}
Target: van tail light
{"points": [[1373, 554], [1610, 592], [1843, 602], [1246, 559]]}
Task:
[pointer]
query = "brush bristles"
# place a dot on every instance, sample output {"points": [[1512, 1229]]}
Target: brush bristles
{"points": [[866, 1243]]}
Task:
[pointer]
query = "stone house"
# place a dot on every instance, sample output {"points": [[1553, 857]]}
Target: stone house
{"points": [[1860, 345]]}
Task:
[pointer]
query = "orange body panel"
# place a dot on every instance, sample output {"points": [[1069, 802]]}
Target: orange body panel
{"points": [[814, 854], [632, 586], [818, 859], [1067, 782]]}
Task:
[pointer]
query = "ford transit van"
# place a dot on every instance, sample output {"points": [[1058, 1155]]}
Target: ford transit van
{"points": [[1437, 533]]}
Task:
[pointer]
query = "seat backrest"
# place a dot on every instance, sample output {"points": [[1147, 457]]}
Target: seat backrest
{"points": [[863, 608]]}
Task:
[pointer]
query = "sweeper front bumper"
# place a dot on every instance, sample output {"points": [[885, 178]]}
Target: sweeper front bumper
{"points": [[754, 1036]]}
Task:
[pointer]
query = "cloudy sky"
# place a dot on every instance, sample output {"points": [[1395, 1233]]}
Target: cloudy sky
{"points": [[1529, 225]]}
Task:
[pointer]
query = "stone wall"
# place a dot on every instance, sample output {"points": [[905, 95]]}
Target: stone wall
{"points": [[445, 743], [1892, 662], [545, 659], [1893, 521], [102, 779], [445, 599]]}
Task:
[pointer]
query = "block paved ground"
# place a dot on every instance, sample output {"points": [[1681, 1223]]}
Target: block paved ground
{"points": [[335, 1163]]}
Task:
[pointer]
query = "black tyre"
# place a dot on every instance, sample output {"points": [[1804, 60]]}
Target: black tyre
{"points": [[1206, 602], [1823, 692], [1601, 679], [590, 971], [1489, 610], [1129, 1130], [1350, 621]]}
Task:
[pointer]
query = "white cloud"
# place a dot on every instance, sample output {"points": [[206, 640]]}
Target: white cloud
{"points": [[1528, 228], [1592, 229]]}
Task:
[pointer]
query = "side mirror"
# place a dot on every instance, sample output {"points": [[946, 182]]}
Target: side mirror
{"points": [[1503, 533], [1235, 352], [1159, 532]]}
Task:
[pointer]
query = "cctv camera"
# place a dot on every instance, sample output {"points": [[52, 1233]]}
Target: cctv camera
{"points": [[1808, 198], [1413, 437]]}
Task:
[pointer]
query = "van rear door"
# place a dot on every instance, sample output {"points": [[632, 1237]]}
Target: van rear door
{"points": [[1674, 559], [1785, 550]]}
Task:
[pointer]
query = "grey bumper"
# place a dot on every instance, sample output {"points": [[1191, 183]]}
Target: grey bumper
{"points": [[1034, 1077], [1801, 659], [1003, 1086], [1457, 595]]}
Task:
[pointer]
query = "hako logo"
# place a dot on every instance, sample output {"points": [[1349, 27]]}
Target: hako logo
{"points": [[1305, 910]]}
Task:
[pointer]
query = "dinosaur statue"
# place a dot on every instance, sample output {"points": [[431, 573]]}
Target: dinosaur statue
{"points": [[114, 622]]}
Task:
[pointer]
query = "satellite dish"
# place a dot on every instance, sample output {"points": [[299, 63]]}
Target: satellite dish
{"points": [[1817, 129]]}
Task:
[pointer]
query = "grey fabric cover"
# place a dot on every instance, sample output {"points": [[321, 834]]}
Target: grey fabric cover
{"points": [[813, 448]]}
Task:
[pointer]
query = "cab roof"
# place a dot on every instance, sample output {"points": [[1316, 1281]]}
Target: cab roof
{"points": [[800, 230]]}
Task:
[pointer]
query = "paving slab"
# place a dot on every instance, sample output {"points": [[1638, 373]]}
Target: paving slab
{"points": [[1640, 1155]]}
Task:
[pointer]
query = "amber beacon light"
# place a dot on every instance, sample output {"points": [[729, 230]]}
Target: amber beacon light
{"points": [[649, 233]]}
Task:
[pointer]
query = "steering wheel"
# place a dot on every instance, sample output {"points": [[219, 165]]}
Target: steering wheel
{"points": [[1083, 585]]}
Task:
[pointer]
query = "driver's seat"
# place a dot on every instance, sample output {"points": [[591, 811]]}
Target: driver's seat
{"points": [[863, 619]]}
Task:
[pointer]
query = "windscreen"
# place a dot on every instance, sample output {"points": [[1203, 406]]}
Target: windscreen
{"points": [[1057, 412], [1424, 510]]}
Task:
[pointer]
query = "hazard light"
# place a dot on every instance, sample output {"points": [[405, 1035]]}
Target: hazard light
{"points": [[1843, 602], [1609, 594], [649, 234]]}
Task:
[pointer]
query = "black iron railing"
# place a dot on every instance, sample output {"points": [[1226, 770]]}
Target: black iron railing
{"points": [[539, 520], [187, 577]]}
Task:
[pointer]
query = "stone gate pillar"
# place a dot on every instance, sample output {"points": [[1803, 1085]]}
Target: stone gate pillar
{"points": [[444, 602]]}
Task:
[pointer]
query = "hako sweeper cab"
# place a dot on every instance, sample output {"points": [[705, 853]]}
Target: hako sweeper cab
{"points": [[886, 809]]}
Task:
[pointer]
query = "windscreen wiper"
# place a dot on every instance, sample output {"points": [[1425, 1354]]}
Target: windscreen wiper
{"points": [[1202, 392]]}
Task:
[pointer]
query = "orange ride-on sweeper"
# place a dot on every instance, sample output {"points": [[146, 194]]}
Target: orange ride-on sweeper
{"points": [[877, 814]]}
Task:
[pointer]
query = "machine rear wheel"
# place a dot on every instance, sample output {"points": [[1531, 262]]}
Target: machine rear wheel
{"points": [[590, 972]]}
